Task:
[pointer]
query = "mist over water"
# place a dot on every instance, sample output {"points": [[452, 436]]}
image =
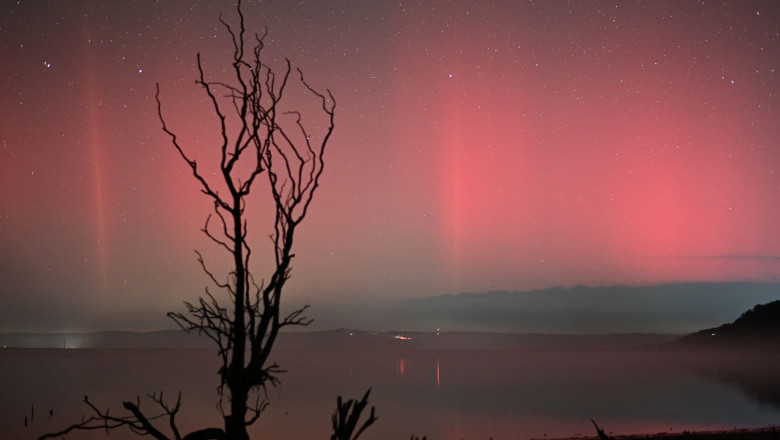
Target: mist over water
{"points": [[443, 394]]}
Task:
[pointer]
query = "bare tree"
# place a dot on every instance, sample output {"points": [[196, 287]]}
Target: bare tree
{"points": [[262, 145]]}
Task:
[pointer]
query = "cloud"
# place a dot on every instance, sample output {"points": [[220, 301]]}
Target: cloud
{"points": [[727, 257]]}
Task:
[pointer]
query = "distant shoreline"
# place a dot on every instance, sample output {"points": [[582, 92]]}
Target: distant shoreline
{"points": [[764, 433], [343, 338]]}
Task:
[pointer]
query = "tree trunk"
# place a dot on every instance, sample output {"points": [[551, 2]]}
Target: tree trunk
{"points": [[235, 429], [235, 426]]}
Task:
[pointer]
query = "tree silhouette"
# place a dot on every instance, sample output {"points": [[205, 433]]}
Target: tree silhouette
{"points": [[261, 145]]}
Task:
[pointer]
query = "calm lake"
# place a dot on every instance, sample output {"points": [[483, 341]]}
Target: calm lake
{"points": [[443, 394]]}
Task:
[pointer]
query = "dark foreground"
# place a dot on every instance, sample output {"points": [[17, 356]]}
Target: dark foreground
{"points": [[766, 433]]}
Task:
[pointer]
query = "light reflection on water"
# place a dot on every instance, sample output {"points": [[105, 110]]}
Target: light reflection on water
{"points": [[443, 394]]}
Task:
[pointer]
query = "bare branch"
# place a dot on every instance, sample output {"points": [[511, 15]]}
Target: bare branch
{"points": [[225, 232], [146, 426], [297, 318], [209, 273], [259, 407], [205, 187], [347, 416], [137, 422], [171, 411]]}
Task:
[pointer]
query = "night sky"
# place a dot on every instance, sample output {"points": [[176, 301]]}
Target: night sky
{"points": [[500, 145]]}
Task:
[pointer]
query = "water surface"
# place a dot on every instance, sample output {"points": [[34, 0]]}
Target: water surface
{"points": [[443, 394]]}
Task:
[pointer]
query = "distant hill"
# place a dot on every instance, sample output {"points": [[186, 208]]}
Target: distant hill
{"points": [[757, 328], [662, 308]]}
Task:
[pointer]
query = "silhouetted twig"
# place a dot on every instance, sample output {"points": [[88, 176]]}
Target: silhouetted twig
{"points": [[600, 431], [347, 416]]}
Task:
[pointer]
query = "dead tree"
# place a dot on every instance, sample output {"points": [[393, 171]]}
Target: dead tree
{"points": [[262, 145], [292, 163]]}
